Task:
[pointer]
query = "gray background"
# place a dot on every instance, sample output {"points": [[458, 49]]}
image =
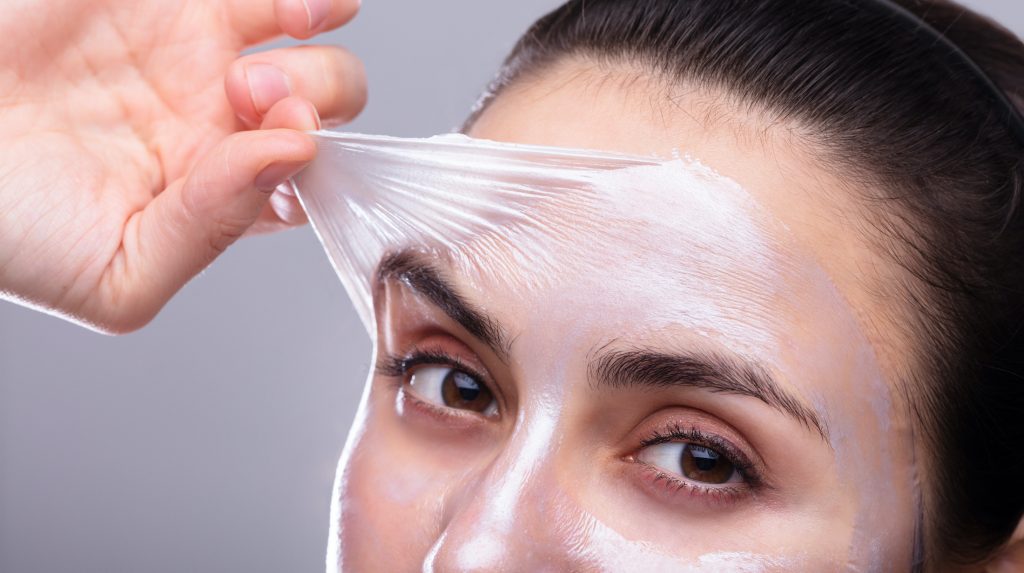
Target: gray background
{"points": [[207, 441]]}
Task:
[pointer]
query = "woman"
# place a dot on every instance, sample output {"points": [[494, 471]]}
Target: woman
{"points": [[804, 355], [854, 406]]}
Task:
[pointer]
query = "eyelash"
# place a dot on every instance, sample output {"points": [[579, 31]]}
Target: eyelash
{"points": [[752, 481], [399, 367], [396, 367]]}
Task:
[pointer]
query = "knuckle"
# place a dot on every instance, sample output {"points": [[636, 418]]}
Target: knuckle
{"points": [[228, 231], [348, 88]]}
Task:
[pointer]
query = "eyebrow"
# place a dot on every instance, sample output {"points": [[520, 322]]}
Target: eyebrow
{"points": [[634, 368], [706, 370], [410, 268]]}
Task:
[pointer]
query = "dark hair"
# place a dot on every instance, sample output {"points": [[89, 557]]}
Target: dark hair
{"points": [[885, 106]]}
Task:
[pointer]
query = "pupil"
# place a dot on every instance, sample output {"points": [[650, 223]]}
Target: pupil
{"points": [[463, 391], [703, 458], [705, 465], [468, 389]]}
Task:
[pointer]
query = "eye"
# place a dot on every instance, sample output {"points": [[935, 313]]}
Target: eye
{"points": [[694, 462], [452, 388]]}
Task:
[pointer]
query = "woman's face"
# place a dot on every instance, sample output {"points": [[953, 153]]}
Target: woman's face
{"points": [[688, 384]]}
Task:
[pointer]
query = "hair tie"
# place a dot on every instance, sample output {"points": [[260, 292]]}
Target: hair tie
{"points": [[1012, 115]]}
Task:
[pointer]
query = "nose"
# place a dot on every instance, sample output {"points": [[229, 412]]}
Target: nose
{"points": [[512, 514]]}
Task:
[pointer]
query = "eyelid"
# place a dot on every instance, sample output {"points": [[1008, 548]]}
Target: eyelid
{"points": [[688, 493], [398, 366], [395, 366], [678, 434], [428, 285], [684, 423], [703, 495]]}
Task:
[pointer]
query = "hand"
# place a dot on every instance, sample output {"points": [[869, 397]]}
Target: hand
{"points": [[129, 151]]}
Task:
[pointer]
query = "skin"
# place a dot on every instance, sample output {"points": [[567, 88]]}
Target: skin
{"points": [[119, 181], [559, 475]]}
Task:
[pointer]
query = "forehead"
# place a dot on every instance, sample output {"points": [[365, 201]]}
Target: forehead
{"points": [[676, 243], [669, 245], [575, 103]]}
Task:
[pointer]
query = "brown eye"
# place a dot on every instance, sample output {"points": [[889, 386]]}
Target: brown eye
{"points": [[705, 465], [446, 386], [694, 462], [462, 391]]}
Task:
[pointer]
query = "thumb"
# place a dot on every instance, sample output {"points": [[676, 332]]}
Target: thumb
{"points": [[187, 226]]}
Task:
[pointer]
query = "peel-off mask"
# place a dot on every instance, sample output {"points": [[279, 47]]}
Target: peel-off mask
{"points": [[674, 384]]}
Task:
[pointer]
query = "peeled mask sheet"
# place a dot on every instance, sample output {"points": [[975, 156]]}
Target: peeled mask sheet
{"points": [[541, 218], [369, 195]]}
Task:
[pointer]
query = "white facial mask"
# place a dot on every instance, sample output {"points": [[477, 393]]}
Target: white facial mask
{"points": [[608, 242]]}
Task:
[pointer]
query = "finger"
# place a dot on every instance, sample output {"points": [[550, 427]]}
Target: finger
{"points": [[329, 76], [292, 112], [257, 21], [283, 210], [188, 225]]}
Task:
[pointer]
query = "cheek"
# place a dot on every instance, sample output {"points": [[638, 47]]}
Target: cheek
{"points": [[389, 495]]}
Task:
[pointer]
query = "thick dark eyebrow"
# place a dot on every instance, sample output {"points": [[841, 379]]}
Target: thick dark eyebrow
{"points": [[642, 368], [631, 368], [415, 271]]}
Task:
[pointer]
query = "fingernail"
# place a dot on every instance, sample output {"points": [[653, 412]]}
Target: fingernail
{"points": [[316, 12], [315, 117], [267, 86], [276, 174]]}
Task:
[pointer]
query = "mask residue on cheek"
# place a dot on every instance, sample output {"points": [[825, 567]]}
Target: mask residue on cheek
{"points": [[609, 551]]}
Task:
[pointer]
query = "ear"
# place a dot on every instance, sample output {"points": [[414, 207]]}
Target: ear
{"points": [[1010, 559]]}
